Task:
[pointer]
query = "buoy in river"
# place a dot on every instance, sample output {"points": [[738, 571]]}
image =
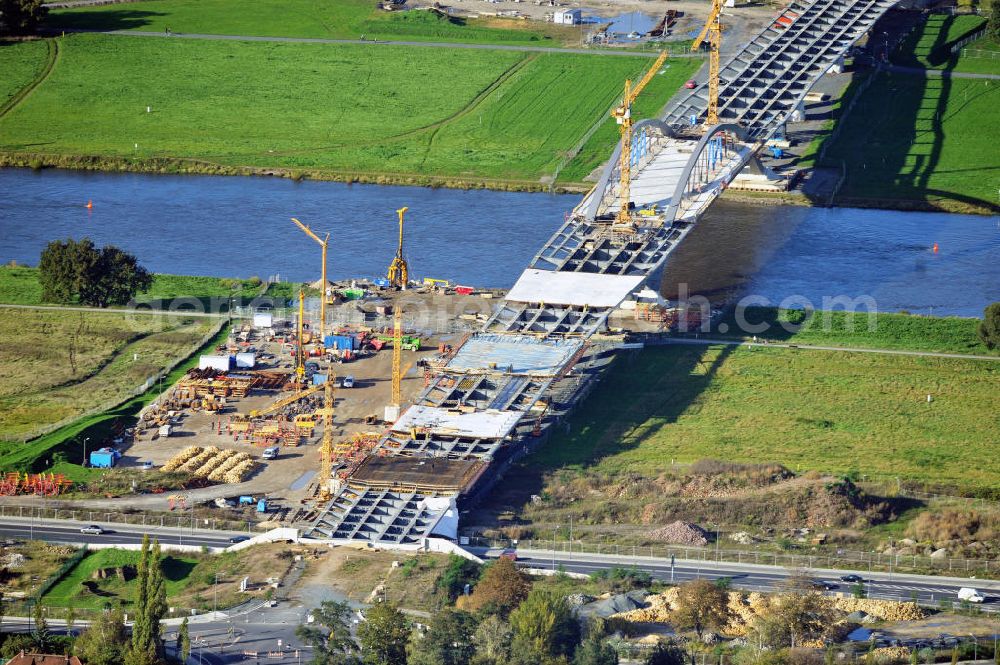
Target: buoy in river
{"points": [[935, 248], [90, 204]]}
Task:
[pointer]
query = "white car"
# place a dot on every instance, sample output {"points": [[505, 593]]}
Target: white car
{"points": [[348, 382], [971, 595], [93, 529]]}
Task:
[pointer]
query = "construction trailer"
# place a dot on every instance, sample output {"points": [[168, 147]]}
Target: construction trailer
{"points": [[104, 458]]}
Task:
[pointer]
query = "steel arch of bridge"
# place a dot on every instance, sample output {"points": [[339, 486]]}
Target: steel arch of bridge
{"points": [[601, 189]]}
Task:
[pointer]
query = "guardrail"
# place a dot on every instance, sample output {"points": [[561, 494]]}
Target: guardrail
{"points": [[181, 519], [842, 559]]}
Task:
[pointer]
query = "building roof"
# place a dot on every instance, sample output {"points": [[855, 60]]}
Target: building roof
{"points": [[478, 424], [573, 288], [514, 354]]}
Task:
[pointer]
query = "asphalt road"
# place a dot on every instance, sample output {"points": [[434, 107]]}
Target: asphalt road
{"points": [[69, 532], [924, 588]]}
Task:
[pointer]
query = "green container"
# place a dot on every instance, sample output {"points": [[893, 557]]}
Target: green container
{"points": [[353, 294]]}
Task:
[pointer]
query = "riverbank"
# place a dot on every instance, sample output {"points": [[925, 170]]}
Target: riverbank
{"points": [[183, 166], [355, 112], [798, 198]]}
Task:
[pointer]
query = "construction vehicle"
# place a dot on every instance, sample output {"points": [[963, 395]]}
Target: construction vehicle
{"points": [[623, 116], [399, 272], [712, 30], [325, 297], [406, 342]]}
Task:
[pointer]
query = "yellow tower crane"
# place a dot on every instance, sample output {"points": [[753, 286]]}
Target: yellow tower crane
{"points": [[399, 272], [326, 450], [623, 115], [300, 351], [322, 301], [712, 30], [397, 353]]}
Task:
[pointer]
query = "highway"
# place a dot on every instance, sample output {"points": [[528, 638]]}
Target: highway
{"points": [[59, 531], [926, 589]]}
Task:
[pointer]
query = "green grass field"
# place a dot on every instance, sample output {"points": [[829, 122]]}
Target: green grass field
{"points": [[929, 45], [60, 364], [39, 454], [19, 286], [23, 62], [341, 108], [905, 332], [828, 411], [343, 19], [73, 590], [917, 139]]}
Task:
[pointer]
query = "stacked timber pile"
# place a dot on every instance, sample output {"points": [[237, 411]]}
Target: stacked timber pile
{"points": [[227, 466], [885, 610], [746, 608]]}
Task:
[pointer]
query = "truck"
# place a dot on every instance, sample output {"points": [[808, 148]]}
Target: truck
{"points": [[270, 453], [971, 595]]}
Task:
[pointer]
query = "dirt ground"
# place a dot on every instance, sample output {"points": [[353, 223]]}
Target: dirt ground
{"points": [[694, 12], [360, 576], [290, 478], [942, 624]]}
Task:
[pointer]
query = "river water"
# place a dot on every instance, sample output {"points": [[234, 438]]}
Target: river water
{"points": [[238, 227]]}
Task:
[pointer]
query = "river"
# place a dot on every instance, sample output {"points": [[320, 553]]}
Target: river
{"points": [[238, 227]]}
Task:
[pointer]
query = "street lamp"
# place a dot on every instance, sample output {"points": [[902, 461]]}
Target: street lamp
{"points": [[975, 648], [85, 440]]}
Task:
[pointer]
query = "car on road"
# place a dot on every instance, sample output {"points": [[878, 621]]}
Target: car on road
{"points": [[821, 585], [348, 382], [970, 595], [239, 539], [92, 529], [691, 84], [510, 554], [851, 578]]}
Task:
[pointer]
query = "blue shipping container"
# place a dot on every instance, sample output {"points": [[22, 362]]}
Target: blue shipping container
{"points": [[339, 342], [105, 458], [319, 379]]}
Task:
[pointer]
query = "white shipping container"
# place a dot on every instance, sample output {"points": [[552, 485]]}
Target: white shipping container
{"points": [[245, 360], [220, 363], [262, 320]]}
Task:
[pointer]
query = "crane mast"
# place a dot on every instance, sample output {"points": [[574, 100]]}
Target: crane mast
{"points": [[713, 31], [397, 353], [623, 115], [300, 351], [326, 449], [322, 301]]}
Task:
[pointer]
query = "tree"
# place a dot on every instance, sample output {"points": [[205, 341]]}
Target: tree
{"points": [[792, 618], [146, 646], [383, 635], [459, 572], [989, 327], [76, 270], [40, 634], [70, 619], [449, 641], [333, 644], [105, 640], [501, 588], [701, 605], [993, 25], [666, 653], [21, 17], [595, 651], [183, 641], [493, 639], [544, 626]]}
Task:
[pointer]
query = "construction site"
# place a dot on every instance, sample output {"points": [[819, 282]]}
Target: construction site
{"points": [[377, 412]]}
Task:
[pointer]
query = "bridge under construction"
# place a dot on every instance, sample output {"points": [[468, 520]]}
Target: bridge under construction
{"points": [[500, 392]]}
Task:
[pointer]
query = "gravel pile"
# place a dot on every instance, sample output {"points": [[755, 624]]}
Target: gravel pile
{"points": [[680, 533]]}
